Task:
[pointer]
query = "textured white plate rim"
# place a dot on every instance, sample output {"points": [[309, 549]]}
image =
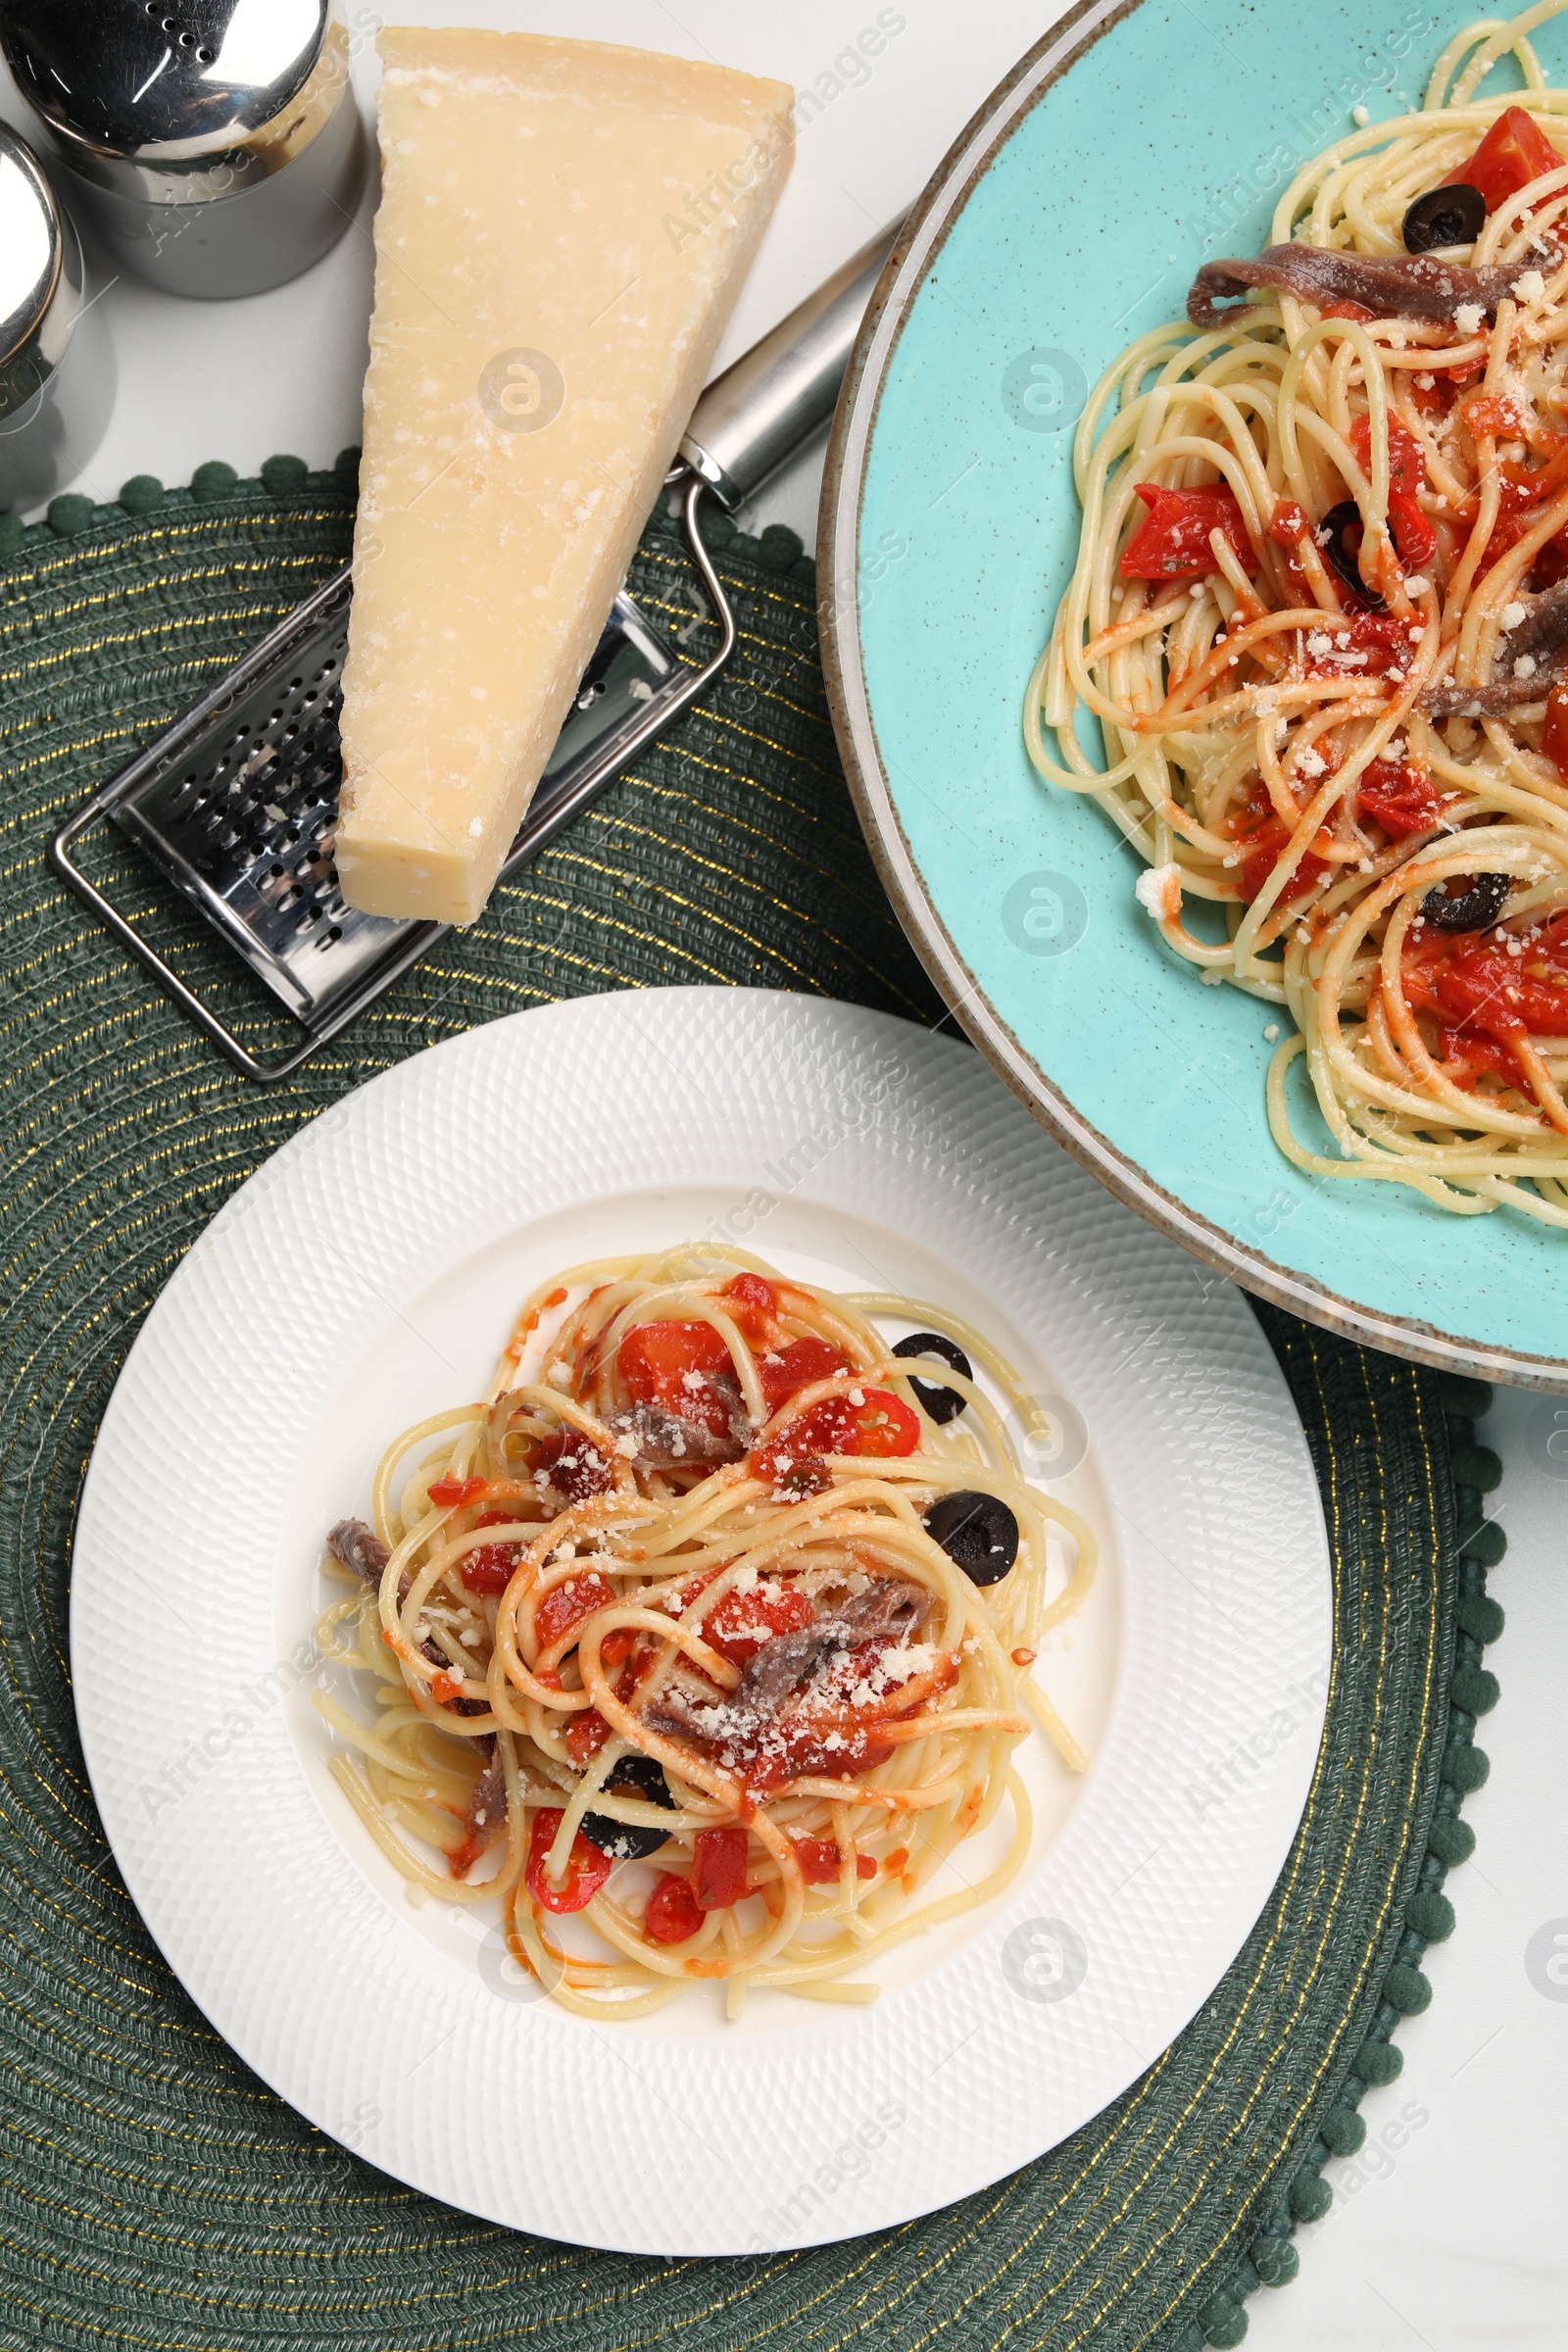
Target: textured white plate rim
{"points": [[324, 1990]]}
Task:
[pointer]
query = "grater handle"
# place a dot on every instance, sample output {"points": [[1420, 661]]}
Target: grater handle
{"points": [[761, 410]]}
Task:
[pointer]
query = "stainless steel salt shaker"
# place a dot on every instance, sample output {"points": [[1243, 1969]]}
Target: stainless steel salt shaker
{"points": [[55, 369], [213, 146]]}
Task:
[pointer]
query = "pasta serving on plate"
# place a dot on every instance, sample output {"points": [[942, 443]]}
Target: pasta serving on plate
{"points": [[1320, 614], [708, 1630]]}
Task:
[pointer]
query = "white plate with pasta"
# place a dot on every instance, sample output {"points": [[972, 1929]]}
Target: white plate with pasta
{"points": [[711, 1571]]}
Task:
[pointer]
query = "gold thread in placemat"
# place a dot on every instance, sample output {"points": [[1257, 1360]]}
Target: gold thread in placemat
{"points": [[152, 2193]]}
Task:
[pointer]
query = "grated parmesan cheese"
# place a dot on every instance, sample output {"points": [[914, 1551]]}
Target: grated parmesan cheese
{"points": [[1159, 893]]}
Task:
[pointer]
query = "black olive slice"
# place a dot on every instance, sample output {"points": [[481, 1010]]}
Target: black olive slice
{"points": [[1451, 216], [1339, 537], [1472, 910], [938, 1403], [627, 1840], [977, 1532]]}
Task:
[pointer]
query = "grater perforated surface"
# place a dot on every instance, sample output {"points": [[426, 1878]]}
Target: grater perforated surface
{"points": [[240, 812]]}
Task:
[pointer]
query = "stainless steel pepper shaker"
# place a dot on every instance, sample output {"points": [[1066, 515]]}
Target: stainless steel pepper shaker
{"points": [[57, 378], [213, 146]]}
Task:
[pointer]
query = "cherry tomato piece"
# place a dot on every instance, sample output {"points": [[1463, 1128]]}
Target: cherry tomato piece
{"points": [[586, 1736], [572, 1603], [1467, 1057], [826, 1427], [1399, 796], [719, 1867], [1475, 986], [674, 1913], [1489, 414], [1383, 638], [1260, 835], [1512, 154], [567, 1462], [797, 1749], [819, 1858], [787, 1370], [884, 1425], [587, 1868], [742, 1622], [1172, 542], [1414, 538], [490, 1569], [1286, 522], [1413, 534], [1407, 466], [672, 1365], [752, 1304], [1487, 989], [880, 1425], [655, 1358], [450, 1494], [788, 1465]]}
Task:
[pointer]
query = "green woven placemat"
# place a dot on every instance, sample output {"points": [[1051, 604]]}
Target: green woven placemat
{"points": [[152, 2193]]}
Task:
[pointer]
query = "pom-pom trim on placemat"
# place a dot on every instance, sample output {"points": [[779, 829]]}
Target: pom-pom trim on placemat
{"points": [[72, 513], [776, 549], [1429, 1914]]}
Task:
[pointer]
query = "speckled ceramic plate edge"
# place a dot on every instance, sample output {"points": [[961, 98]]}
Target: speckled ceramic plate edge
{"points": [[843, 494]]}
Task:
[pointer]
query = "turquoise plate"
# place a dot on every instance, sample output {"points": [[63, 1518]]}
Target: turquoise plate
{"points": [[1131, 144]]}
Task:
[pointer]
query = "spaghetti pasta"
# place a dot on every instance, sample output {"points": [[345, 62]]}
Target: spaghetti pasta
{"points": [[1320, 615], [711, 1624]]}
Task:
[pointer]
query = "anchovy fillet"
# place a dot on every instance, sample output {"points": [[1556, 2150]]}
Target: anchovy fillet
{"points": [[1389, 285], [1542, 638]]}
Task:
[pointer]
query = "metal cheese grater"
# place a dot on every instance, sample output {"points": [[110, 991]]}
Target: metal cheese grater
{"points": [[236, 801]]}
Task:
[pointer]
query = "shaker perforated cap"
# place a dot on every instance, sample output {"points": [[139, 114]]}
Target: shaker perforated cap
{"points": [[138, 90], [40, 283]]}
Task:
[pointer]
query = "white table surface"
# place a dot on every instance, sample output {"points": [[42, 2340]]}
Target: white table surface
{"points": [[1447, 2230]]}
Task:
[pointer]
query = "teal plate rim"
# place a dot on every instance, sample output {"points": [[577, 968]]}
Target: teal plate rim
{"points": [[840, 556]]}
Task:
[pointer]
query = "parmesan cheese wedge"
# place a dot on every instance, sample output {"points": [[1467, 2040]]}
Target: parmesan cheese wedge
{"points": [[564, 230]]}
